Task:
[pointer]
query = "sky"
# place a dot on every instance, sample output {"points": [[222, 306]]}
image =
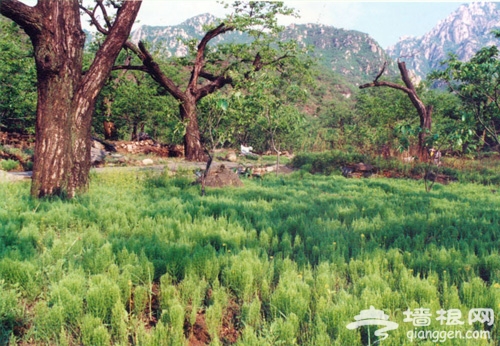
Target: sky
{"points": [[385, 21]]}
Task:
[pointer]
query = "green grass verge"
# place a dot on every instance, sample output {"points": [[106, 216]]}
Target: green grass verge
{"points": [[290, 260]]}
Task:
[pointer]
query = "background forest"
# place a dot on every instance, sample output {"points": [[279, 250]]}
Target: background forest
{"points": [[318, 110]]}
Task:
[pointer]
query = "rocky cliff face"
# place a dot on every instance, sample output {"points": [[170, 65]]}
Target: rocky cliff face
{"points": [[463, 33], [353, 54], [169, 38]]}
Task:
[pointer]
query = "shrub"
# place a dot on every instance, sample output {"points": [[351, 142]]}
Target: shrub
{"points": [[94, 332], [9, 165], [101, 297], [327, 162], [9, 312]]}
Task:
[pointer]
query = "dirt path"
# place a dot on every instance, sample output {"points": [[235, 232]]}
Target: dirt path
{"points": [[172, 166]]}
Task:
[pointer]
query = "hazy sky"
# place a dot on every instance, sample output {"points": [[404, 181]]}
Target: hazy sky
{"points": [[384, 21]]}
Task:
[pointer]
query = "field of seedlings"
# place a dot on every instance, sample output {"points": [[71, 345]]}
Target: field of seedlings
{"points": [[144, 259]]}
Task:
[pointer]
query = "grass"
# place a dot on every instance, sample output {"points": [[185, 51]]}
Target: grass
{"points": [[144, 259], [485, 170], [9, 165]]}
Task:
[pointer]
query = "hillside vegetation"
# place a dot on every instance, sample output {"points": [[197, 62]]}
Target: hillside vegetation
{"points": [[143, 259]]}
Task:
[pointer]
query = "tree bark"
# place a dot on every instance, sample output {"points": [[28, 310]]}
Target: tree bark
{"points": [[193, 150], [66, 98], [424, 112]]}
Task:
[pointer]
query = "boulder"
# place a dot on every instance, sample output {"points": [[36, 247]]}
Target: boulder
{"points": [[221, 176], [358, 170], [231, 157], [147, 162], [97, 156]]}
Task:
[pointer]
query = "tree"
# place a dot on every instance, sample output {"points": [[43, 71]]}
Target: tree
{"points": [[211, 69], [131, 102], [387, 119], [424, 112], [477, 83], [66, 96], [17, 80]]}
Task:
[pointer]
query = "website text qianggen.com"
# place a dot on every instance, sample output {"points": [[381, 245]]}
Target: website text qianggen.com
{"points": [[443, 335]]}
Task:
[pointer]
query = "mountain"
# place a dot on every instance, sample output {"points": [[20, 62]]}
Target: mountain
{"points": [[463, 33], [169, 38], [352, 54]]}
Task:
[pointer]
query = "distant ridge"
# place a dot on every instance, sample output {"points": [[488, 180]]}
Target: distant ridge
{"points": [[354, 55], [463, 32]]}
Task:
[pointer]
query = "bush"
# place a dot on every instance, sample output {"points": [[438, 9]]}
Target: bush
{"points": [[9, 165], [327, 162]]}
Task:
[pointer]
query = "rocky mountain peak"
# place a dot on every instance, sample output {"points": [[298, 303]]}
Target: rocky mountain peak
{"points": [[352, 54], [463, 33]]}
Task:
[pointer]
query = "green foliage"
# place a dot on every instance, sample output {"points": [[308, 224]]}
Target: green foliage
{"points": [[17, 80], [94, 332], [287, 260], [9, 312], [327, 162], [475, 82], [9, 165], [385, 117], [134, 103]]}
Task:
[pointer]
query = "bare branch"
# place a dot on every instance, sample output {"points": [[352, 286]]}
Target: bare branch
{"points": [[199, 61], [424, 112], [26, 16], [94, 21], [130, 68], [112, 45], [104, 13], [154, 70], [216, 84], [381, 71]]}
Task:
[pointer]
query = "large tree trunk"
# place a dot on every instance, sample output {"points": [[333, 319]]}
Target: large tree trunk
{"points": [[66, 98], [193, 150], [58, 57]]}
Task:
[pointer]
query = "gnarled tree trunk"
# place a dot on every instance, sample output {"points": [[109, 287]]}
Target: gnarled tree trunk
{"points": [[193, 150], [66, 97], [424, 112]]}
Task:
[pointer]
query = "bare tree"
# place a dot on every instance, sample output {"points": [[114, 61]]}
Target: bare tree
{"points": [[210, 75], [66, 96], [424, 112]]}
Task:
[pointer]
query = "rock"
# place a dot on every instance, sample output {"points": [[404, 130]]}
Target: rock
{"points": [[97, 145], [103, 145], [360, 169], [147, 162], [231, 157], [97, 156], [221, 176]]}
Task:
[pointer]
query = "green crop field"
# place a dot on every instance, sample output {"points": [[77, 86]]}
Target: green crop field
{"points": [[143, 259]]}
